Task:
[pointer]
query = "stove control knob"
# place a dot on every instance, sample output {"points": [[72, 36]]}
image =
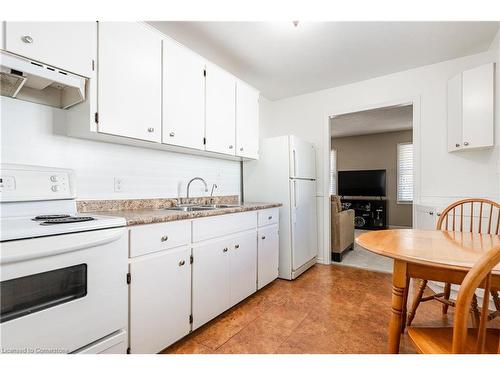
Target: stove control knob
{"points": [[54, 178], [56, 188]]}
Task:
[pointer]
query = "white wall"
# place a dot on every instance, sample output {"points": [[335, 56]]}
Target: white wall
{"points": [[28, 136], [444, 176]]}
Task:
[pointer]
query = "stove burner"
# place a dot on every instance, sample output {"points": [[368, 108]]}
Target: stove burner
{"points": [[47, 217], [67, 219]]}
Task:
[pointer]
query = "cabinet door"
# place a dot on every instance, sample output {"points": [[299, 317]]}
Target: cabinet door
{"points": [[183, 96], [210, 281], [243, 266], [160, 299], [477, 86], [247, 121], [129, 87], [68, 46], [268, 255], [220, 111], [454, 121]]}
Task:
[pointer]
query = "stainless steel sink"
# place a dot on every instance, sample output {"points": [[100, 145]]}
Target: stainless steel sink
{"points": [[190, 208], [215, 206], [205, 207]]}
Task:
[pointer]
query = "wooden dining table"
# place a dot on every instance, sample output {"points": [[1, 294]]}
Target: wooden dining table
{"points": [[425, 254]]}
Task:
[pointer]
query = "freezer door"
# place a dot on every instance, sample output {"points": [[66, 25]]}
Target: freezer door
{"points": [[302, 159], [304, 233]]}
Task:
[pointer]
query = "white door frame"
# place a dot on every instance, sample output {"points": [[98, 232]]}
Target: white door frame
{"points": [[415, 102]]}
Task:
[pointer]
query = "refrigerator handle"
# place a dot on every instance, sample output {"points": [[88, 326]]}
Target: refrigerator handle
{"points": [[294, 163], [294, 194]]}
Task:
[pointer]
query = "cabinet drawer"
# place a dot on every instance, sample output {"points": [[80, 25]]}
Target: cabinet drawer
{"points": [[154, 237], [217, 226], [269, 216]]}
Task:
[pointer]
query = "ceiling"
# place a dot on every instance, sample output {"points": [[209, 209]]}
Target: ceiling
{"points": [[380, 120], [282, 60]]}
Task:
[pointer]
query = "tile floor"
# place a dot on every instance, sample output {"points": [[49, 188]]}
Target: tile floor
{"points": [[328, 309]]}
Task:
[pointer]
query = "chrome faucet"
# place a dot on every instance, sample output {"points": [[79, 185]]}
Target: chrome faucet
{"points": [[194, 179], [214, 186]]}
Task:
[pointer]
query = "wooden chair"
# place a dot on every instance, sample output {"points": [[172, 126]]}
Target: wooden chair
{"points": [[473, 215], [460, 339]]}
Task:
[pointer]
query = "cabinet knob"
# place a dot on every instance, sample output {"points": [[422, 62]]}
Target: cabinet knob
{"points": [[231, 147], [224, 250], [182, 262], [151, 130], [241, 148], [457, 144], [269, 217], [172, 134], [27, 39], [263, 237], [236, 246], [431, 213], [164, 238], [466, 143]]}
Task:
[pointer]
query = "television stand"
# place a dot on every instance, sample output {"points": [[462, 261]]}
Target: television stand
{"points": [[369, 212]]}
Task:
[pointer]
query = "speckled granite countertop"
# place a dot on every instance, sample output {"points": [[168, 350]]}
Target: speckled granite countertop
{"points": [[152, 213]]}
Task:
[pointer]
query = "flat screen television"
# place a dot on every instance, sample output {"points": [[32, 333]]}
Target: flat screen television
{"points": [[370, 183]]}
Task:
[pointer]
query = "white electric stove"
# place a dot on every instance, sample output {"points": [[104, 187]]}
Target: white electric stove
{"points": [[62, 275]]}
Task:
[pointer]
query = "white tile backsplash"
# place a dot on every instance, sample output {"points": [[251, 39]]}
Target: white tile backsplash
{"points": [[27, 137]]}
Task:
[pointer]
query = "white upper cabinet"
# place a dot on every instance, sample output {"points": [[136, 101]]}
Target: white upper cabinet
{"points": [[247, 121], [183, 96], [69, 46], [220, 110], [129, 80], [471, 109]]}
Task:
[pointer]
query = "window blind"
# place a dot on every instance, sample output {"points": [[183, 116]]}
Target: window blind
{"points": [[405, 172], [333, 172]]}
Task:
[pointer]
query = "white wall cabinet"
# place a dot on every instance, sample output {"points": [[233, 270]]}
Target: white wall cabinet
{"points": [[183, 96], [68, 46], [129, 80], [220, 110], [160, 299], [247, 121], [471, 109]]}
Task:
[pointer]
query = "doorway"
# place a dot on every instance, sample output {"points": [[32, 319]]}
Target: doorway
{"points": [[371, 180]]}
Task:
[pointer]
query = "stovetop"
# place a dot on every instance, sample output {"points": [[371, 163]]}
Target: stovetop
{"points": [[16, 228]]}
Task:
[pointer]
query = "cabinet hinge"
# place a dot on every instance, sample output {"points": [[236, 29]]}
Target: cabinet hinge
{"points": [[96, 117], [128, 350], [191, 259], [204, 141], [204, 72], [190, 319], [129, 278]]}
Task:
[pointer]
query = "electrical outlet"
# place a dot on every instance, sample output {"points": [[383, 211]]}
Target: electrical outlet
{"points": [[118, 184]]}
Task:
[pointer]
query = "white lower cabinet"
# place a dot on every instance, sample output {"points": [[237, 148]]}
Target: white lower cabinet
{"points": [[268, 255], [168, 292], [160, 299], [210, 281], [243, 267], [224, 273]]}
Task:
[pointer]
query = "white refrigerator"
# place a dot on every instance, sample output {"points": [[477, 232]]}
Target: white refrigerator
{"points": [[286, 173]]}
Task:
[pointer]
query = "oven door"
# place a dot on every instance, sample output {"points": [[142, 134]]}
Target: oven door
{"points": [[60, 293]]}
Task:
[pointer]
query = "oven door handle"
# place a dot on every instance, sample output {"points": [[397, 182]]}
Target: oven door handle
{"points": [[23, 250]]}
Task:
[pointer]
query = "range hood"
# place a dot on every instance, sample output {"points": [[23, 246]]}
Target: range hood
{"points": [[32, 81]]}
